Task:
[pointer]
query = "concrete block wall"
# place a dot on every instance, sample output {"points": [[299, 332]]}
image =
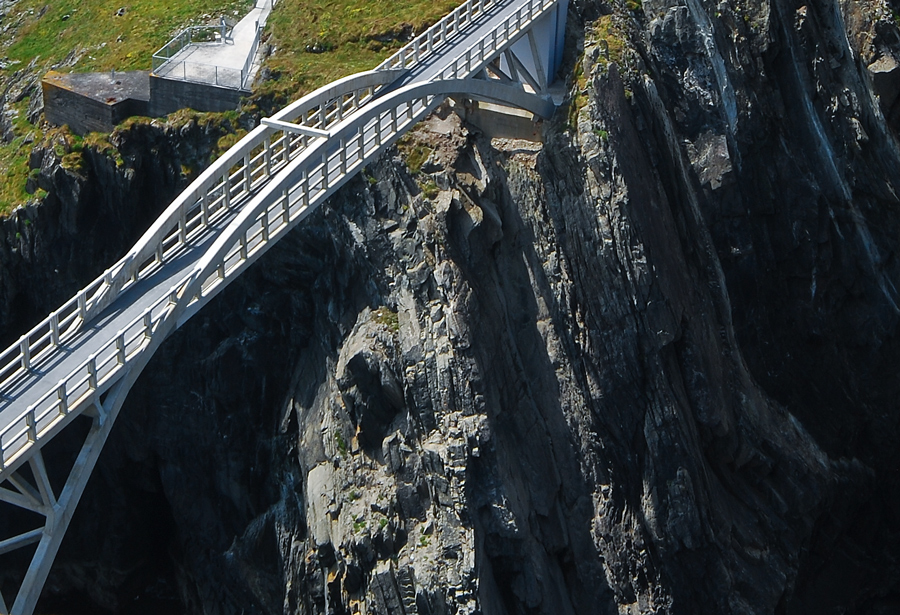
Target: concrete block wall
{"points": [[170, 95], [88, 106]]}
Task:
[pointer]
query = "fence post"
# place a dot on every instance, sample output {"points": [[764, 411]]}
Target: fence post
{"points": [[26, 353], [54, 328], [120, 348], [204, 207], [92, 372], [63, 398], [182, 225], [32, 427], [304, 184]]}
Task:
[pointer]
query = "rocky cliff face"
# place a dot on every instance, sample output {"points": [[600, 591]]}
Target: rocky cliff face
{"points": [[646, 367]]}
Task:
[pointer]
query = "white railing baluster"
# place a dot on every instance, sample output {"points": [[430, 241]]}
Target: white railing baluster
{"points": [[82, 308], [243, 242], [62, 397], [148, 324], [182, 226], [303, 187], [92, 372], [120, 348], [54, 328], [204, 208], [31, 425], [26, 353], [285, 206]]}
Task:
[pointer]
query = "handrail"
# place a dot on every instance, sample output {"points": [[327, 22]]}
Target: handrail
{"points": [[248, 63], [515, 26], [280, 194], [180, 41], [437, 35], [235, 82], [20, 357]]}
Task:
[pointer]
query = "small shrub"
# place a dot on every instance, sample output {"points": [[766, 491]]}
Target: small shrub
{"points": [[341, 443], [388, 318]]}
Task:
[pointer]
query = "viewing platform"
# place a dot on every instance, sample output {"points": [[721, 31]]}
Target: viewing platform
{"points": [[215, 55]]}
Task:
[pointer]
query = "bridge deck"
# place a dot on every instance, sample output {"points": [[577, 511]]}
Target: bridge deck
{"points": [[27, 388]]}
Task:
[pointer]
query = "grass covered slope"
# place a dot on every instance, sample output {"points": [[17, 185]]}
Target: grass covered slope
{"points": [[83, 36], [312, 42], [318, 41], [99, 34]]}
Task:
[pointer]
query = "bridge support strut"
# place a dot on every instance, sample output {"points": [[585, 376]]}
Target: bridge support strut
{"points": [[37, 496]]}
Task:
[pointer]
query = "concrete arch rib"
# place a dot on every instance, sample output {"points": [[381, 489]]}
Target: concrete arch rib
{"points": [[190, 198], [433, 92]]}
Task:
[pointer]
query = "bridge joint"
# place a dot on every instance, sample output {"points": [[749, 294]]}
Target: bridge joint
{"points": [[22, 540], [300, 129]]}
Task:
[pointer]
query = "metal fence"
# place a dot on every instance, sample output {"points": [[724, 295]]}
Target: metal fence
{"points": [[197, 72], [188, 36]]}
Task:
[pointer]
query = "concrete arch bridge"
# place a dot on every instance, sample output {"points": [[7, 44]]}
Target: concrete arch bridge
{"points": [[80, 362]]}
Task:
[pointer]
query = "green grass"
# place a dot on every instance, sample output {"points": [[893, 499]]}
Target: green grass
{"points": [[109, 41], [356, 34], [388, 318]]}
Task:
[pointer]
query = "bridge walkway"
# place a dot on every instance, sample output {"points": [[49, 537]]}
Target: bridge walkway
{"points": [[88, 353]]}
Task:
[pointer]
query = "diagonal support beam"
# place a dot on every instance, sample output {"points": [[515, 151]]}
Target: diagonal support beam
{"points": [[522, 72], [307, 131], [538, 65], [511, 61], [22, 540], [25, 488], [43, 480], [495, 70], [22, 501], [50, 538]]}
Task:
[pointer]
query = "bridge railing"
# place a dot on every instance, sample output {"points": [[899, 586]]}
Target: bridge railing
{"points": [[243, 172], [247, 165], [500, 38], [319, 171], [234, 176], [437, 35], [83, 384]]}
